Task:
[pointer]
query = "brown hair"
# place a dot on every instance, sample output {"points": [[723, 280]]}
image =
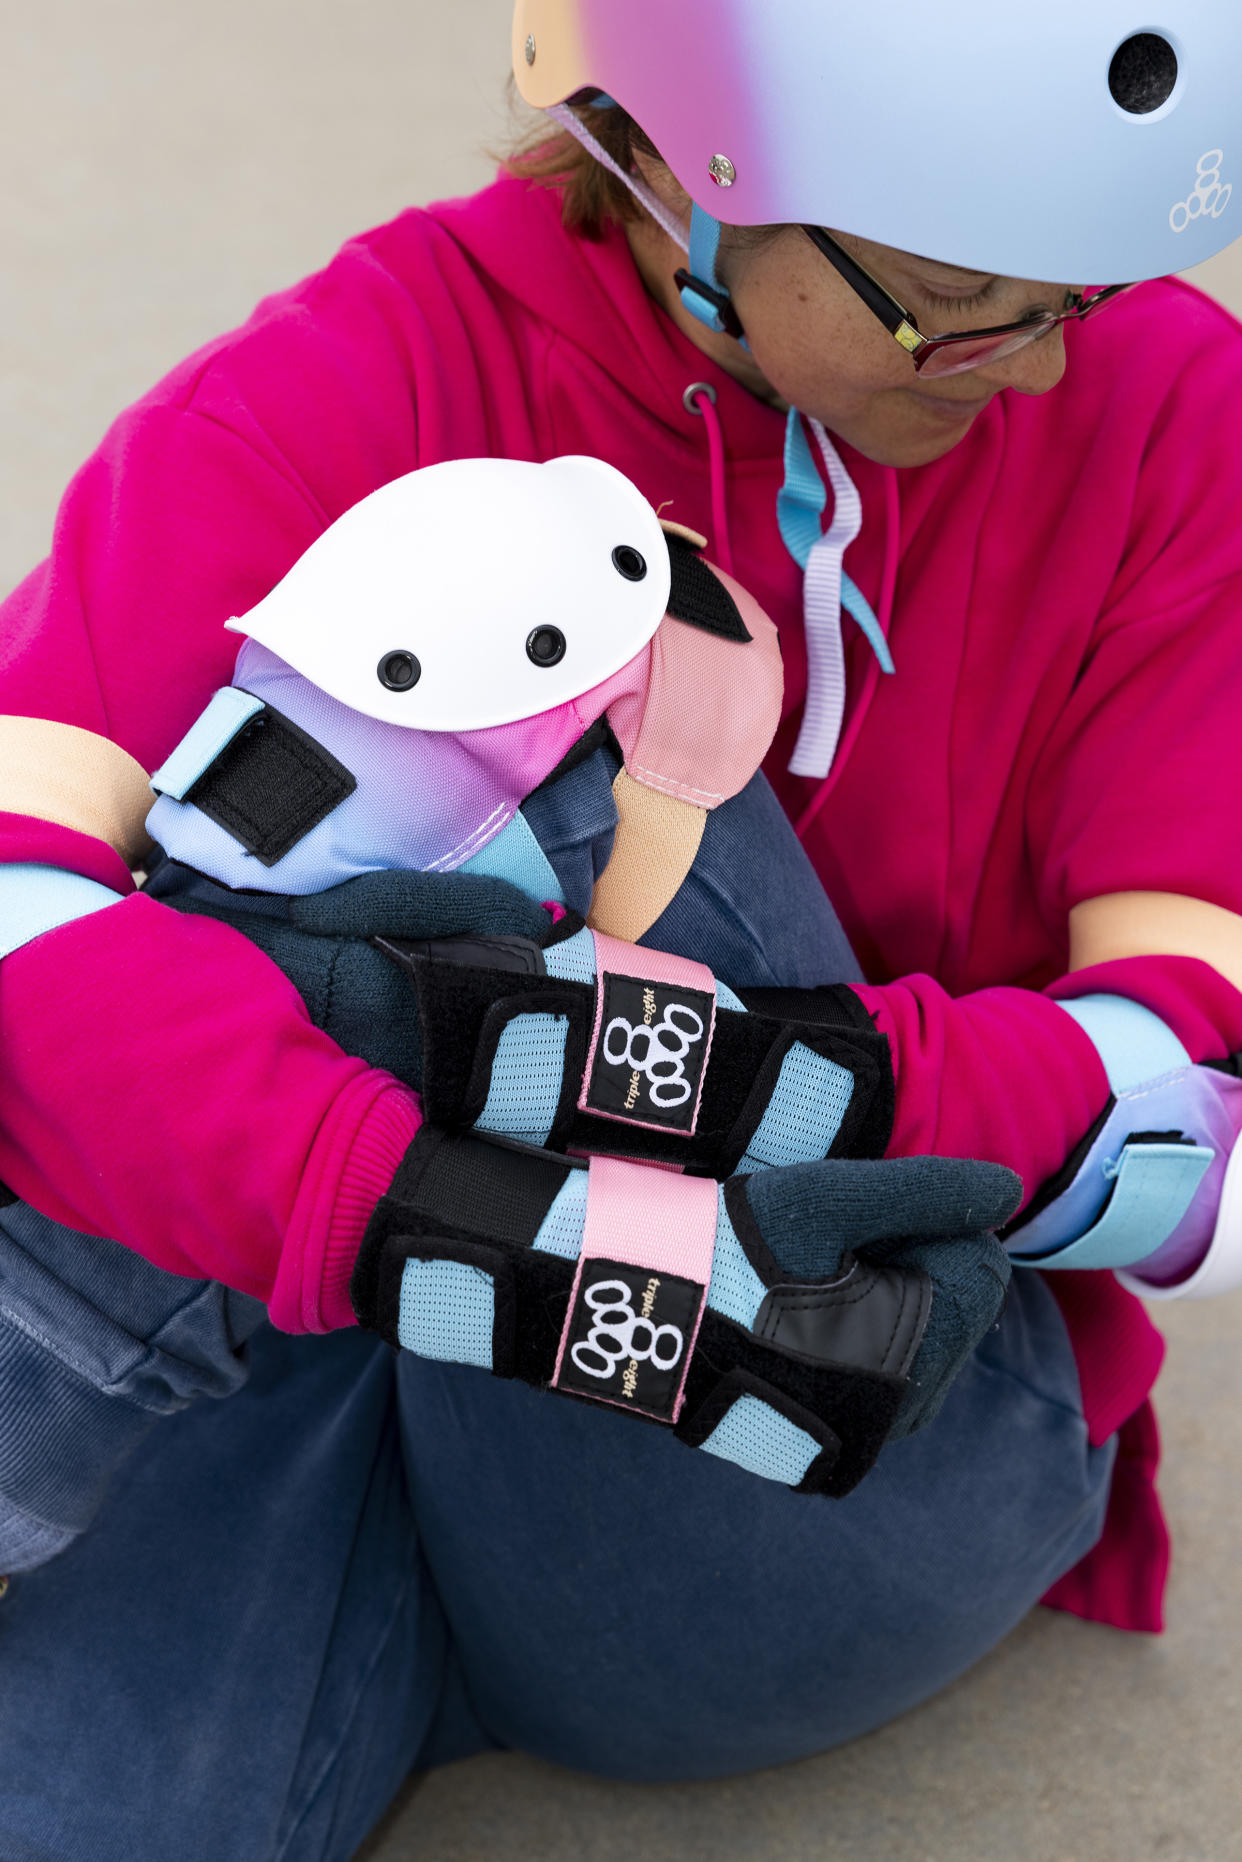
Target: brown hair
{"points": [[591, 197]]}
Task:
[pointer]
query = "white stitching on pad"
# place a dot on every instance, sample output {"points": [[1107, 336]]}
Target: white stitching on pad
{"points": [[671, 786], [465, 846]]}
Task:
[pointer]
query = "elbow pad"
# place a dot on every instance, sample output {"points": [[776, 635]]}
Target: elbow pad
{"points": [[1154, 1190]]}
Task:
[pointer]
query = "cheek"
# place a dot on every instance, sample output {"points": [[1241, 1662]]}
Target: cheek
{"points": [[825, 368], [816, 344]]}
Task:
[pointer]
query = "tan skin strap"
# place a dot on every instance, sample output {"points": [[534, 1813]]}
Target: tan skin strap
{"points": [[657, 839], [76, 779]]}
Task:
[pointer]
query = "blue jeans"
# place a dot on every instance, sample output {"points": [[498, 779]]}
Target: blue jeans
{"points": [[269, 1609]]}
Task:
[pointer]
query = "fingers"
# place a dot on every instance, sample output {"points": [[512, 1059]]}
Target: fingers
{"points": [[809, 1213], [421, 905]]}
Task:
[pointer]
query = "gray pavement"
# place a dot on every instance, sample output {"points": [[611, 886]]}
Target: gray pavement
{"points": [[161, 167]]}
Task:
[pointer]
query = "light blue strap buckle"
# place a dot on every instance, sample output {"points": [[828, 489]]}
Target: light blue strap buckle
{"points": [[1153, 1187], [211, 733], [35, 899]]}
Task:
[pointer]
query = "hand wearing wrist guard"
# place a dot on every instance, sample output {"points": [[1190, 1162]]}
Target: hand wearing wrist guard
{"points": [[581, 1042], [790, 1322]]}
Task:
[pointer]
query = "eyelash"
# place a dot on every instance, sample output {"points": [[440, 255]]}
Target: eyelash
{"points": [[958, 303]]}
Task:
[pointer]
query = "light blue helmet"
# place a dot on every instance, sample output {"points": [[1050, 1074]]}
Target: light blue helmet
{"points": [[1084, 141]]}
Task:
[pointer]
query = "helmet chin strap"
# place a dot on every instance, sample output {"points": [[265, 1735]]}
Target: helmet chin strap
{"points": [[701, 290]]}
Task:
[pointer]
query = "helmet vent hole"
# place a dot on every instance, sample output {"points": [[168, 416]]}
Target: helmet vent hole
{"points": [[1143, 74]]}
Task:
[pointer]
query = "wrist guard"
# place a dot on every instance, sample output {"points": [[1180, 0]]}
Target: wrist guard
{"points": [[589, 1044], [652, 1293]]}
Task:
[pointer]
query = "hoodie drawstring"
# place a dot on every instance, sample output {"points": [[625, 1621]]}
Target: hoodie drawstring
{"points": [[888, 591], [700, 398], [826, 588]]}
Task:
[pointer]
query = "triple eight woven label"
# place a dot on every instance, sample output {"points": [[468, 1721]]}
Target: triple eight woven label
{"points": [[629, 1333], [650, 1051]]}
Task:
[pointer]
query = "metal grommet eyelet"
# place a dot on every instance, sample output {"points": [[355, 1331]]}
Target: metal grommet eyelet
{"points": [[629, 562], [690, 398], [399, 671], [545, 646], [530, 48]]}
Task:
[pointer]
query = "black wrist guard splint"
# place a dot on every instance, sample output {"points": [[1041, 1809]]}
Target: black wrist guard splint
{"points": [[645, 1058], [654, 1294]]}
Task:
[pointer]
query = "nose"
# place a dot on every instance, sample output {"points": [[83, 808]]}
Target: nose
{"points": [[1033, 370]]}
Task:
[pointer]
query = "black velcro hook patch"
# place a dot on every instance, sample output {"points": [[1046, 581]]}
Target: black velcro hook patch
{"points": [[651, 1047], [271, 785], [699, 597], [628, 1337]]}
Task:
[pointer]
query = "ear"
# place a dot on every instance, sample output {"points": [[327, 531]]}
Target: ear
{"points": [[698, 595]]}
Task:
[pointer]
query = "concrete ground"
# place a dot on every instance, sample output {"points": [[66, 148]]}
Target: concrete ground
{"points": [[161, 167]]}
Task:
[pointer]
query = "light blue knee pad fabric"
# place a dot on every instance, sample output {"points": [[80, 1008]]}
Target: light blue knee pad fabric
{"points": [[803, 1116], [525, 1086]]}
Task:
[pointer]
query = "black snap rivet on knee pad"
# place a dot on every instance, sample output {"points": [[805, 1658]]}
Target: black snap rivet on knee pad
{"points": [[399, 671], [545, 646], [1143, 73], [629, 563]]}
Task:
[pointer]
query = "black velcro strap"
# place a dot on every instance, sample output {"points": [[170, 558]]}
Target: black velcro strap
{"points": [[451, 1190], [271, 785], [699, 597], [847, 1411]]}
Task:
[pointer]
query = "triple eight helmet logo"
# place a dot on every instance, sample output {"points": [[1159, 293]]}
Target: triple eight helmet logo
{"points": [[1210, 195]]}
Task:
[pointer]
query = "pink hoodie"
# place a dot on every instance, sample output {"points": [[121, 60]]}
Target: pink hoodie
{"points": [[1062, 724]]}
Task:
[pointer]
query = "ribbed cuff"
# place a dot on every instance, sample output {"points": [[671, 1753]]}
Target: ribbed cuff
{"points": [[351, 1166]]}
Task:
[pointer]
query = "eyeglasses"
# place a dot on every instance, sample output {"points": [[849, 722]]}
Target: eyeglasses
{"points": [[959, 350]]}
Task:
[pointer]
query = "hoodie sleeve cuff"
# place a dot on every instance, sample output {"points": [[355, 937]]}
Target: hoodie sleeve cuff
{"points": [[1190, 997], [354, 1160], [25, 839]]}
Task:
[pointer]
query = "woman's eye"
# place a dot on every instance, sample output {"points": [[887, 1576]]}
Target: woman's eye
{"points": [[972, 302]]}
